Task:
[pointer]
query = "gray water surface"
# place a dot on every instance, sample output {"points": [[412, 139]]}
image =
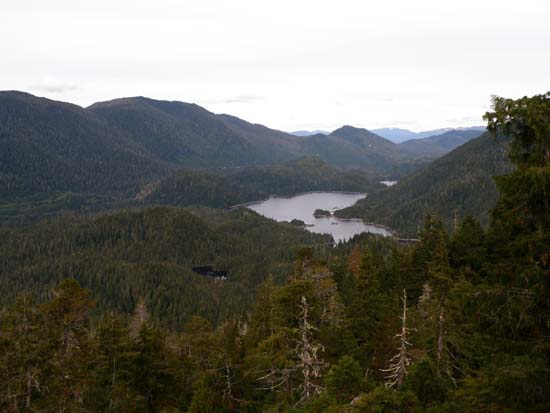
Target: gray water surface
{"points": [[302, 206]]}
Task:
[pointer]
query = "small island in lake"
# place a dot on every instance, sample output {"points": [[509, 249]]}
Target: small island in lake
{"points": [[320, 213]]}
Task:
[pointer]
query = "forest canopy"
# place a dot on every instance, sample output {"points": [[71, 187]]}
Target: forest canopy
{"points": [[457, 322]]}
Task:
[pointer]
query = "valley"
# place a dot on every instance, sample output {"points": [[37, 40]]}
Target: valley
{"points": [[195, 250], [274, 206]]}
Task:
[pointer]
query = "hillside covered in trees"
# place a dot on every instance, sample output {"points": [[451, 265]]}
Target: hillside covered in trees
{"points": [[149, 254], [228, 187], [456, 185], [458, 322], [59, 157]]}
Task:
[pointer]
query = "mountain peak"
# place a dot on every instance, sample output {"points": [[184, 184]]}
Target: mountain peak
{"points": [[359, 135]]}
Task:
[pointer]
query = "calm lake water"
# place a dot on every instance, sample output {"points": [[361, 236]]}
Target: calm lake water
{"points": [[302, 206]]}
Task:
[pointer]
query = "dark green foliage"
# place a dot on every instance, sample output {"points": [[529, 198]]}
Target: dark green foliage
{"points": [[319, 213], [52, 146], [467, 249], [60, 157], [454, 186], [423, 380], [384, 400], [241, 185], [344, 380], [322, 332], [149, 254]]}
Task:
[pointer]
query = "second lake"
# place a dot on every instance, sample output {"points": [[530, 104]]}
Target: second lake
{"points": [[302, 207]]}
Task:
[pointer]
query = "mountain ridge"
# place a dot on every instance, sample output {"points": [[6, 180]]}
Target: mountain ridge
{"points": [[399, 135]]}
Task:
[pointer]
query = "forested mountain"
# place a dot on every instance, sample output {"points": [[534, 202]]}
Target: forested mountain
{"points": [[188, 135], [440, 144], [346, 147], [57, 156], [125, 136], [458, 184], [52, 146], [233, 186], [457, 322], [358, 148], [149, 254]]}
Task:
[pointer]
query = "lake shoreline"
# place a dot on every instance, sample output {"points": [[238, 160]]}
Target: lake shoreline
{"points": [[244, 205], [287, 208]]}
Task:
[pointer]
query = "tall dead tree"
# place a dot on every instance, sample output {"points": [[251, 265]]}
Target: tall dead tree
{"points": [[440, 337], [141, 317], [310, 363], [400, 362]]}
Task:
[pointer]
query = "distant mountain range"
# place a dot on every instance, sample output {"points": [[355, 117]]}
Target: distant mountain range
{"points": [[398, 135], [309, 133], [439, 145]]}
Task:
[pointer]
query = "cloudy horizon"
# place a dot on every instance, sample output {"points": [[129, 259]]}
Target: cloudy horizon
{"points": [[288, 65]]}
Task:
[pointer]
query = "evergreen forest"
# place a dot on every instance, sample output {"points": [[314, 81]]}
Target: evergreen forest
{"points": [[102, 312]]}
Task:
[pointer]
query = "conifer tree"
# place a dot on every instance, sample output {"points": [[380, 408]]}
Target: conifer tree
{"points": [[467, 250], [519, 237], [113, 367], [24, 350], [68, 324]]}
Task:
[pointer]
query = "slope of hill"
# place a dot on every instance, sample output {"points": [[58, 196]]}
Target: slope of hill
{"points": [[148, 254], [53, 146], [439, 145], [455, 185], [280, 146], [240, 185], [187, 134]]}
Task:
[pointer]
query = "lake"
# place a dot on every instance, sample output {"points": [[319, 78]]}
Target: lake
{"points": [[302, 206]]}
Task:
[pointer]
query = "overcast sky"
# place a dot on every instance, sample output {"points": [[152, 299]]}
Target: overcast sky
{"points": [[286, 64]]}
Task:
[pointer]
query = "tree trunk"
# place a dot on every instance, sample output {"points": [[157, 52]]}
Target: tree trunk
{"points": [[29, 387], [440, 338]]}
